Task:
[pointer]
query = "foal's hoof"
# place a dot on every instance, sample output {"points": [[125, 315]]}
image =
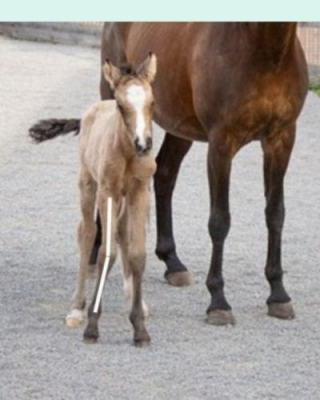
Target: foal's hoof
{"points": [[74, 319], [281, 310], [181, 278], [91, 334], [142, 341], [221, 317]]}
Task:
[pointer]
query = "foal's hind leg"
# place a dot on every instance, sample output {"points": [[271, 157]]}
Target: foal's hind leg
{"points": [[170, 156], [91, 332], [86, 233], [276, 158]]}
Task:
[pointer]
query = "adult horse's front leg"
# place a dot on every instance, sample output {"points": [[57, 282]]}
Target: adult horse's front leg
{"points": [[219, 167], [277, 153], [170, 156]]}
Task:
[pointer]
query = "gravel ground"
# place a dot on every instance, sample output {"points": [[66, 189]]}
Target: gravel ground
{"points": [[259, 358]]}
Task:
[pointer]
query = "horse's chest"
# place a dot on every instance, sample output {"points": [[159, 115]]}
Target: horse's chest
{"points": [[141, 169]]}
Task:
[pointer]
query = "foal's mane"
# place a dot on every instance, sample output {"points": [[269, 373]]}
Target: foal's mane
{"points": [[127, 69]]}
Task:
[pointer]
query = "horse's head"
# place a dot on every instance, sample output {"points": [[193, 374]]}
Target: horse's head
{"points": [[134, 97]]}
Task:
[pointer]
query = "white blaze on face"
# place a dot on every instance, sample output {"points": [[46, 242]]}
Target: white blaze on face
{"points": [[137, 97]]}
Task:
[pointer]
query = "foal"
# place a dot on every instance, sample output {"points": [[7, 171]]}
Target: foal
{"points": [[115, 143]]}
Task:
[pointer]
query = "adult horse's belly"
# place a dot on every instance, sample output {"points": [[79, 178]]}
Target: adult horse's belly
{"points": [[173, 45]]}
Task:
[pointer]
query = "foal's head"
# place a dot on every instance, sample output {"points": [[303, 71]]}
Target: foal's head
{"points": [[133, 94]]}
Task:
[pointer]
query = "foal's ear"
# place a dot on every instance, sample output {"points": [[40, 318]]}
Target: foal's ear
{"points": [[148, 68], [111, 73]]}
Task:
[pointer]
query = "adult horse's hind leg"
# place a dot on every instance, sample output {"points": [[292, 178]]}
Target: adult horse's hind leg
{"points": [[170, 156], [219, 167], [276, 158]]}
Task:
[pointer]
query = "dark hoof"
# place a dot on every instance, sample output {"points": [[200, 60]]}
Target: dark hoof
{"points": [[182, 278], [142, 343], [91, 334], [221, 317], [141, 339], [281, 310]]}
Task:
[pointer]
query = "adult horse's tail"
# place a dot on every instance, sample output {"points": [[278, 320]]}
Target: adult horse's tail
{"points": [[50, 128]]}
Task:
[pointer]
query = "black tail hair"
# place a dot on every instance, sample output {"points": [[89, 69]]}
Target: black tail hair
{"points": [[50, 128]]}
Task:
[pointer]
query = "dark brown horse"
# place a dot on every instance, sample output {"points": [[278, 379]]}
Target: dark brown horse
{"points": [[225, 84]]}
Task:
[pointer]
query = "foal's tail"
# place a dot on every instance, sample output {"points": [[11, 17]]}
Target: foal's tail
{"points": [[50, 128]]}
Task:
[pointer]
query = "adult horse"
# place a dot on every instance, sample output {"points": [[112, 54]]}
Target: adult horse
{"points": [[225, 84]]}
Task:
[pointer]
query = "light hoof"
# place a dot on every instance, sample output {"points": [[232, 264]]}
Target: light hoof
{"points": [[281, 310], [220, 317], [182, 278], [74, 319]]}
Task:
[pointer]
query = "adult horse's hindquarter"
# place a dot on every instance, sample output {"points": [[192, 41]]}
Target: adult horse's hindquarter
{"points": [[226, 84]]}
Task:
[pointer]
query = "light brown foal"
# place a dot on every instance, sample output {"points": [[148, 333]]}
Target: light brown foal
{"points": [[115, 161]]}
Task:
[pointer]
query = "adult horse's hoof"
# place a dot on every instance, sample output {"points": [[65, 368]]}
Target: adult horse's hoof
{"points": [[281, 310], [181, 278], [220, 317], [74, 319]]}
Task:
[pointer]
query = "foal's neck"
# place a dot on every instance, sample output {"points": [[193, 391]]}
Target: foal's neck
{"points": [[122, 140]]}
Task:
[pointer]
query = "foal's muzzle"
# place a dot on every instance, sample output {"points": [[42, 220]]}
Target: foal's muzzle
{"points": [[143, 149]]}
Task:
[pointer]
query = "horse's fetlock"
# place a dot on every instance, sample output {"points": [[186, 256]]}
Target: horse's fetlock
{"points": [[164, 249]]}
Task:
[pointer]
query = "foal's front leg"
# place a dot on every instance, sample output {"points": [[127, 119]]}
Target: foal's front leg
{"points": [[91, 332], [138, 211], [276, 158], [86, 234], [124, 241]]}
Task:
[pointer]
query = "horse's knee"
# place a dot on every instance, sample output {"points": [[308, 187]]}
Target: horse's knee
{"points": [[163, 182], [137, 260], [86, 232], [102, 255], [219, 225], [275, 215]]}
